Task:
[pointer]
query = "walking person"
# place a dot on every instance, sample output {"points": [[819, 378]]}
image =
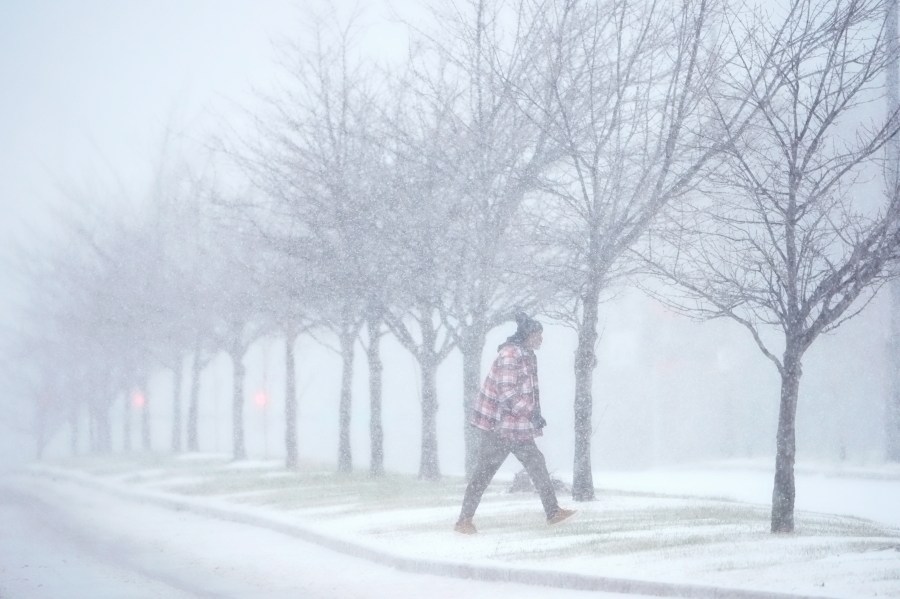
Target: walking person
{"points": [[508, 417]]}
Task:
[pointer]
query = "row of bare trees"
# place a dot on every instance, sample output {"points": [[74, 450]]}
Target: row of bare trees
{"points": [[530, 154]]}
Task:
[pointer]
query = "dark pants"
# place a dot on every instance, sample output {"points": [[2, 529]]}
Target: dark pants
{"points": [[491, 455]]}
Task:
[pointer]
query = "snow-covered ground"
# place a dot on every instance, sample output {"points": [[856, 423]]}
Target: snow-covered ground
{"points": [[872, 493], [673, 532], [81, 544]]}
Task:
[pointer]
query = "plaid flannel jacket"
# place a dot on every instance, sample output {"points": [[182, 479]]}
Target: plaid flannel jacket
{"points": [[509, 396]]}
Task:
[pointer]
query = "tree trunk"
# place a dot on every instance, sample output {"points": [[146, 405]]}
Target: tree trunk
{"points": [[193, 417], [291, 460], [40, 427], [75, 429], [146, 439], [892, 405], [784, 490], [126, 423], [345, 454], [102, 427], [178, 373], [91, 424], [429, 468], [471, 348], [376, 430], [892, 409], [239, 450], [585, 361]]}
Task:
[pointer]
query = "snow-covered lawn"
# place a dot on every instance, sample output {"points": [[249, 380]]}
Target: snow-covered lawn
{"points": [[705, 526]]}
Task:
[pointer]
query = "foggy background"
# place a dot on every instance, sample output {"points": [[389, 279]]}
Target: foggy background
{"points": [[669, 390], [90, 88]]}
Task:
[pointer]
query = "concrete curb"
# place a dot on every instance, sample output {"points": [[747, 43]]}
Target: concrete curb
{"points": [[487, 573]]}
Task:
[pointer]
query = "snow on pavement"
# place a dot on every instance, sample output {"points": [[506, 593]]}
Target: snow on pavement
{"points": [[76, 542], [667, 528]]}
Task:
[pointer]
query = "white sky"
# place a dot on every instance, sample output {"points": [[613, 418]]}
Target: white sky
{"points": [[89, 86], [94, 82]]}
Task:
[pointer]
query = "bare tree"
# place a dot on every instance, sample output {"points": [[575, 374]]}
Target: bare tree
{"points": [[89, 305], [495, 151], [172, 207], [630, 106], [217, 270], [297, 294], [787, 242], [892, 83], [237, 308], [417, 312], [313, 159]]}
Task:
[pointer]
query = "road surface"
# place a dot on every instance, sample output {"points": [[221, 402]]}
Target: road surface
{"points": [[60, 539]]}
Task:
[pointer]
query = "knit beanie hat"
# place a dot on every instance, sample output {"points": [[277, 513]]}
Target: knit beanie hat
{"points": [[525, 326]]}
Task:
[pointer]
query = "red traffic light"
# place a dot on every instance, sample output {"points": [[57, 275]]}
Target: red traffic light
{"points": [[261, 399]]}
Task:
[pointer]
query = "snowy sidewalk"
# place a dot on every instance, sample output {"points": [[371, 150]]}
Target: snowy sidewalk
{"points": [[627, 542]]}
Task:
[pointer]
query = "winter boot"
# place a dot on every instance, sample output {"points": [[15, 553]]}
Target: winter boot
{"points": [[559, 515], [465, 527]]}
